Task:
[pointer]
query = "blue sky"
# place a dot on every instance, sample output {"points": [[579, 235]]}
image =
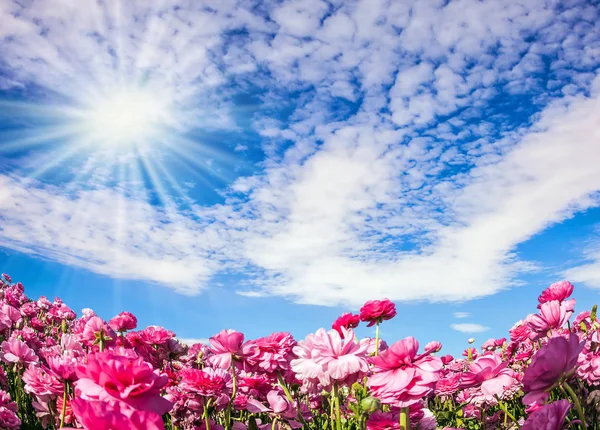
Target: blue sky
{"points": [[267, 165]]}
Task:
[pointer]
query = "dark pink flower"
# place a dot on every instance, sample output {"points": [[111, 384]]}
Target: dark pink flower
{"points": [[108, 376], [448, 386], [123, 322], [202, 382], [270, 354], [560, 291], [548, 417], [554, 361], [7, 278], [155, 335], [401, 377], [225, 346], [93, 415], [347, 321], [63, 367], [376, 311], [8, 413]]}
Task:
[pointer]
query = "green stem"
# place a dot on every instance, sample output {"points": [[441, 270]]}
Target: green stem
{"points": [[331, 412], [336, 399], [577, 404], [289, 396], [377, 339], [64, 406], [404, 419], [273, 425], [206, 419], [507, 414]]}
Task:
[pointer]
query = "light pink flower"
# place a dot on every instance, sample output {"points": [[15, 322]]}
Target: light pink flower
{"points": [[341, 359], [376, 311], [433, 347], [589, 368], [41, 382], [63, 367], [548, 417], [108, 376], [554, 361], [96, 329], [9, 316], [16, 351], [347, 321], [225, 346], [123, 322], [93, 414], [401, 377], [490, 373]]}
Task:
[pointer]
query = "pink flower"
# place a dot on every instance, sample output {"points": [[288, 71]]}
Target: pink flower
{"points": [[489, 372], [7, 278], [433, 347], [94, 330], [554, 361], [589, 368], [376, 311], [202, 382], [154, 335], [114, 415], [548, 417], [63, 367], [341, 359], [108, 376], [402, 378], [447, 386], [558, 291], [278, 405], [123, 322], [40, 382], [9, 316], [270, 354], [347, 321], [553, 315], [225, 346], [8, 413], [17, 351], [383, 421]]}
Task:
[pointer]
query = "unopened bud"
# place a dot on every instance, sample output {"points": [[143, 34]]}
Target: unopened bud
{"points": [[593, 314], [471, 340], [370, 404]]}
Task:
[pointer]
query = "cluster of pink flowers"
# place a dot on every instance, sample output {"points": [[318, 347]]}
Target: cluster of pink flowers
{"points": [[60, 371]]}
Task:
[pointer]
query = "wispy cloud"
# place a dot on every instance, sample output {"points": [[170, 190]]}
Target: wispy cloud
{"points": [[458, 138], [462, 314], [190, 341], [469, 328]]}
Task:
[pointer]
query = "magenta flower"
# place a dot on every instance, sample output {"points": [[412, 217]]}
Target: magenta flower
{"points": [[489, 372], [376, 311], [560, 291], [16, 351], [225, 346], [347, 321], [548, 417], [7, 278], [553, 315], [114, 415], [94, 330], [383, 421], [401, 377], [109, 377], [553, 362], [202, 382], [40, 382], [154, 335], [8, 413], [270, 354], [123, 322], [63, 367]]}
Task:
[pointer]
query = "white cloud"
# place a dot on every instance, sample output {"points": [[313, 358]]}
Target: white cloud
{"points": [[462, 314], [469, 328], [380, 200], [190, 341]]}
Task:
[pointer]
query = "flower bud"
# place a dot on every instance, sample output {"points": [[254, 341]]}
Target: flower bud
{"points": [[370, 404], [471, 340]]}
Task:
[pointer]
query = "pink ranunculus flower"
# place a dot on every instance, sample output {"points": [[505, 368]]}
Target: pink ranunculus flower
{"points": [[342, 358], [548, 417], [94, 414], [347, 321], [155, 335], [108, 376], [270, 354], [401, 377], [553, 315], [9, 419], [41, 382], [202, 382], [376, 311], [554, 361], [560, 291], [278, 405], [383, 421], [447, 386], [96, 329], [490, 373], [225, 346], [16, 351], [123, 322], [63, 367], [9, 316], [433, 347], [305, 366], [589, 368]]}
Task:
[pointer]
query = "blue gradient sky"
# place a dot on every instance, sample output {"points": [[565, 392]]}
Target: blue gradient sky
{"points": [[266, 166]]}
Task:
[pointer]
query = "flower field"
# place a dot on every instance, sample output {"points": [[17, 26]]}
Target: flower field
{"points": [[59, 371]]}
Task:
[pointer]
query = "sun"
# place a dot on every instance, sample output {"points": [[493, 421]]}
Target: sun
{"points": [[124, 118]]}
